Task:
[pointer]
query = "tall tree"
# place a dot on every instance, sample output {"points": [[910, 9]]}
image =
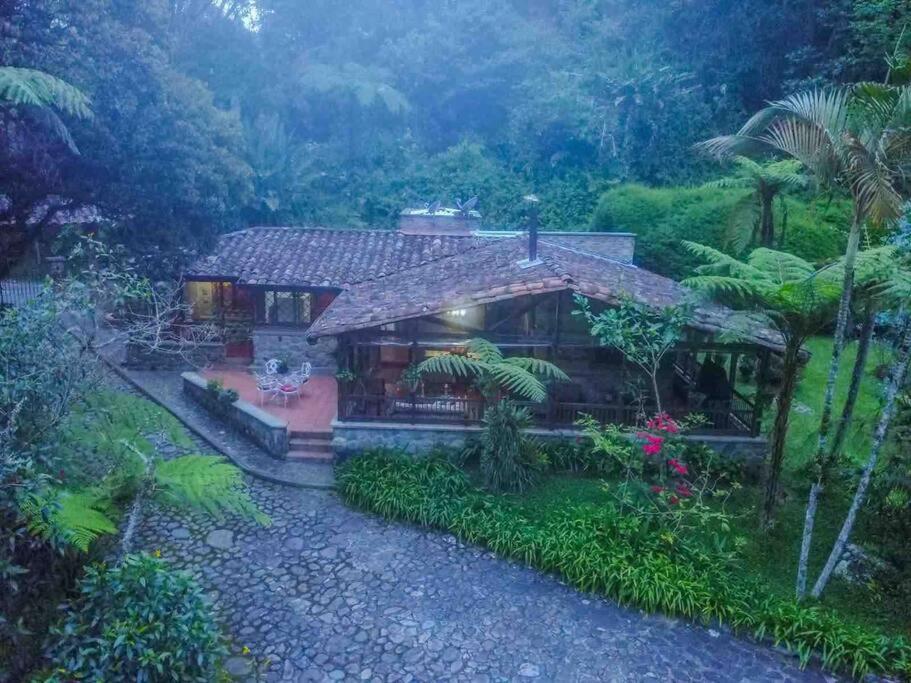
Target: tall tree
{"points": [[789, 295], [753, 218], [860, 140]]}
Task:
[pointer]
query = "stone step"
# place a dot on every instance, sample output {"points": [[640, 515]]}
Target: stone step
{"points": [[313, 445], [310, 456], [304, 434]]}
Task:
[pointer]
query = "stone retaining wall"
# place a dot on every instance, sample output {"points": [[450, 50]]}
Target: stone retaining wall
{"points": [[259, 426], [350, 438], [292, 347], [169, 357]]}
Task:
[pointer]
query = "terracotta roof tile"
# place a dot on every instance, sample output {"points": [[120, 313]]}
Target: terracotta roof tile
{"points": [[494, 271]]}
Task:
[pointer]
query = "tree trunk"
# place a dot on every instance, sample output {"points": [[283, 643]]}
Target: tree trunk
{"points": [[780, 429], [808, 523], [838, 343], [857, 376], [882, 429], [654, 377], [825, 420], [766, 222]]}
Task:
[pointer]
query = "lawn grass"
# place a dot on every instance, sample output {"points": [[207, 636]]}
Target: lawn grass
{"points": [[804, 420], [771, 557]]}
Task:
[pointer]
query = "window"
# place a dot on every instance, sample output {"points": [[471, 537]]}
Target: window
{"points": [[283, 307]]}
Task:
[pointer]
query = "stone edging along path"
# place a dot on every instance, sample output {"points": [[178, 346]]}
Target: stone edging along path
{"points": [[165, 389]]}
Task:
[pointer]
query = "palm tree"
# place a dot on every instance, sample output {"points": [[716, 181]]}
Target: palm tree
{"points": [[876, 279], [752, 219], [522, 376], [31, 88], [899, 373], [785, 293], [858, 139]]}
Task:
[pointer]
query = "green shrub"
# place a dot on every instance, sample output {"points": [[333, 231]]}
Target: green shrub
{"points": [[510, 461], [137, 621], [597, 549], [662, 217]]}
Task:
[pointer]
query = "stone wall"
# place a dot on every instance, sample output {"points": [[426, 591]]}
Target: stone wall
{"points": [[259, 426], [292, 346], [169, 357], [350, 438]]}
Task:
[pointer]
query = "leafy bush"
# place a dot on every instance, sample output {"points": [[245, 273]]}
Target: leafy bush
{"points": [[598, 549], [662, 217], [137, 621], [510, 461]]}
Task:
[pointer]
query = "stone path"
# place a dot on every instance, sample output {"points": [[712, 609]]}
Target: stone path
{"points": [[327, 593]]}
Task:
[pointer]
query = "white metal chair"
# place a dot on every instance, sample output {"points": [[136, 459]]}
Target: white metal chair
{"points": [[289, 386], [300, 377], [266, 385], [272, 366]]}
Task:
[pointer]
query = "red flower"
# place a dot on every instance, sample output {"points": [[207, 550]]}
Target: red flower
{"points": [[663, 422], [673, 500], [657, 489], [678, 466], [653, 447], [684, 490]]}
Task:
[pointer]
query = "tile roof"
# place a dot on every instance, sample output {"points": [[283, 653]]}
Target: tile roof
{"points": [[495, 271], [325, 257], [320, 257]]}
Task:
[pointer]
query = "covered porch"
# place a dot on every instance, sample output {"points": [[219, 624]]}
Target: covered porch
{"points": [[698, 378]]}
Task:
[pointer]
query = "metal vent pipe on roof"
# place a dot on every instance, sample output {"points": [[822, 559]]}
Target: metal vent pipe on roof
{"points": [[532, 201]]}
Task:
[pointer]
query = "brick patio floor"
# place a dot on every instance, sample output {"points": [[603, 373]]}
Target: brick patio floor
{"points": [[312, 412]]}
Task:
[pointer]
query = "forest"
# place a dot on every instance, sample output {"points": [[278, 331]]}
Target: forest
{"points": [[292, 386], [209, 116]]}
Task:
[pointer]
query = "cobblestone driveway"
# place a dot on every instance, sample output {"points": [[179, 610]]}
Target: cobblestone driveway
{"points": [[327, 593]]}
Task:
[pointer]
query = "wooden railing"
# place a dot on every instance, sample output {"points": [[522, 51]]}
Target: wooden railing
{"points": [[734, 417]]}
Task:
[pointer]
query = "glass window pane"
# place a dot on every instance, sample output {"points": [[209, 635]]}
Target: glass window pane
{"points": [[303, 308], [284, 308]]}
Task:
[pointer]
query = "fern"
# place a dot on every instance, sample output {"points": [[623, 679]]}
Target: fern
{"points": [[74, 518], [521, 376], [208, 482], [30, 87]]}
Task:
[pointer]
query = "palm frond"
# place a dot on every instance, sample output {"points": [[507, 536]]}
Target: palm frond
{"points": [[781, 266], [484, 350], [519, 381], [721, 263], [724, 285], [872, 182], [208, 482], [75, 518], [35, 88], [453, 364], [539, 367], [742, 223], [807, 142], [826, 110]]}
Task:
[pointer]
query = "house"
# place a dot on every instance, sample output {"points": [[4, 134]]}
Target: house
{"points": [[374, 303]]}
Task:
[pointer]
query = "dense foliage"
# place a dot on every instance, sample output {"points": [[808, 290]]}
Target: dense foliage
{"points": [[662, 217], [140, 621], [211, 115], [626, 557]]}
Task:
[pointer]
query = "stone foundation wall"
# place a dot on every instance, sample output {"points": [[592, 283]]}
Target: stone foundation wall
{"points": [[139, 357], [259, 426], [292, 347], [350, 438]]}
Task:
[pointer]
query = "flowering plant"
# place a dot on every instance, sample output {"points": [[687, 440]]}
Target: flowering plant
{"points": [[655, 483]]}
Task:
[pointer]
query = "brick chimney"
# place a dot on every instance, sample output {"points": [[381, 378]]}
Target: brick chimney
{"points": [[440, 221]]}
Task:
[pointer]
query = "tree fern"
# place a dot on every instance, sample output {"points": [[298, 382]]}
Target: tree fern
{"points": [[30, 87], [75, 518], [523, 377], [205, 481]]}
